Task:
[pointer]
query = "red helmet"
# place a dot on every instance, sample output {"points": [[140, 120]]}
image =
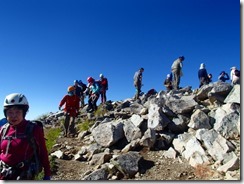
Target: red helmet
{"points": [[90, 79]]}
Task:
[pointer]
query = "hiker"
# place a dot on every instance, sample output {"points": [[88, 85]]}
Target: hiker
{"points": [[210, 76], [78, 89], [94, 93], [223, 76], [176, 69], [203, 75], [168, 83], [83, 88], [138, 82], [17, 158], [234, 75], [71, 109], [104, 87]]}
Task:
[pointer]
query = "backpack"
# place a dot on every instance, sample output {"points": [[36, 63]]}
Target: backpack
{"points": [[237, 73], [35, 164]]}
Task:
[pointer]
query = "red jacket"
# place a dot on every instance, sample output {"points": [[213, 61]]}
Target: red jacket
{"points": [[20, 149], [72, 104]]}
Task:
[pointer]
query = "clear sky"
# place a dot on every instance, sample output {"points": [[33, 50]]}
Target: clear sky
{"points": [[46, 44]]}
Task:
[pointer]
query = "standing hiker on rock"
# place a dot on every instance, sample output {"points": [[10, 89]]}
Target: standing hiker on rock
{"points": [[223, 76], [168, 83], [94, 92], [138, 82], [104, 87], [23, 148], [78, 89], [203, 75], [176, 69], [71, 109], [234, 75]]}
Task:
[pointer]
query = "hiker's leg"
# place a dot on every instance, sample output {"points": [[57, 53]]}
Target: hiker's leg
{"points": [[94, 102], [82, 101], [102, 97], [72, 126], [105, 96], [66, 125]]}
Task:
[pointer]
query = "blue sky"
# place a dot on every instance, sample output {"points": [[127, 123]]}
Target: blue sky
{"points": [[46, 44]]}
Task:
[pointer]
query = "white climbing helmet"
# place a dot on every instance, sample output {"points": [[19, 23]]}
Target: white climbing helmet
{"points": [[15, 99], [101, 75]]}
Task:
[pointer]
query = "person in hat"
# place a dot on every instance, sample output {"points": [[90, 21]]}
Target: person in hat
{"points": [[138, 82], [223, 76], [104, 87], [203, 75], [168, 83], [71, 110], [18, 157], [234, 75], [176, 69]]}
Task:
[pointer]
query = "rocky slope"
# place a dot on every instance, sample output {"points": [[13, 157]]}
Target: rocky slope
{"points": [[182, 135]]}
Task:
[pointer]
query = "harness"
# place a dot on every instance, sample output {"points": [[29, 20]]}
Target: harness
{"points": [[26, 169]]}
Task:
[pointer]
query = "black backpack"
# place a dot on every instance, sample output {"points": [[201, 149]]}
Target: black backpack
{"points": [[237, 73], [35, 164]]}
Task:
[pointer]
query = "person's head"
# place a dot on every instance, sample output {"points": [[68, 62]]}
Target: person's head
{"points": [[222, 73], [71, 90], [76, 82], [168, 76], [141, 70], [182, 58], [90, 80], [210, 76], [15, 107], [202, 65], [233, 68], [101, 76]]}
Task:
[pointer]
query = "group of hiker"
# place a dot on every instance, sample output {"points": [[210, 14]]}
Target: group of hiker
{"points": [[74, 99], [23, 150], [172, 80]]}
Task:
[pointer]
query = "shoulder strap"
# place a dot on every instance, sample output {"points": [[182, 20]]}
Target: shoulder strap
{"points": [[4, 130], [29, 132]]}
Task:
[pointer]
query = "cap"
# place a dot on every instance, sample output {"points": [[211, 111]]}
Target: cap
{"points": [[233, 67]]}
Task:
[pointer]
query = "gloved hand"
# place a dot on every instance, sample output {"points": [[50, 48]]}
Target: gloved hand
{"points": [[46, 178], [59, 108]]}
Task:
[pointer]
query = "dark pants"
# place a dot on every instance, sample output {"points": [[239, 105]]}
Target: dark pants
{"points": [[138, 91], [203, 81], [92, 103], [103, 97], [176, 78], [69, 125]]}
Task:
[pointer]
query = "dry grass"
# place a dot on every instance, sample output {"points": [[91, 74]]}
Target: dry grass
{"points": [[204, 171]]}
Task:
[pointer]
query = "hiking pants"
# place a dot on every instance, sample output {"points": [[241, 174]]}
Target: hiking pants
{"points": [[138, 90], [103, 97], [176, 78], [69, 125], [92, 102]]}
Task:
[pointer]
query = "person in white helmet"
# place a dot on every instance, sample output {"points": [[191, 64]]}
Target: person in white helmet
{"points": [[17, 151], [104, 87], [168, 83], [234, 75]]}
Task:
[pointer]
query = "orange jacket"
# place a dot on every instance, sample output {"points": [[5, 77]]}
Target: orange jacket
{"points": [[72, 104]]}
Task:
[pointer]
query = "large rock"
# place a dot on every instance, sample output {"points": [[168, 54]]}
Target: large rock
{"points": [[127, 164], [131, 131], [216, 145], [234, 96], [183, 105], [156, 119], [199, 120], [179, 124], [107, 134], [226, 121]]}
